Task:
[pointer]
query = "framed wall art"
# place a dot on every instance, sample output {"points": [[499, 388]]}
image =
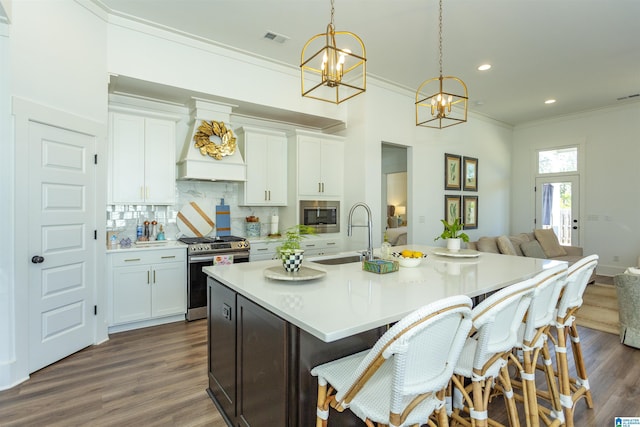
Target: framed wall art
{"points": [[470, 212], [452, 171], [452, 208], [470, 174]]}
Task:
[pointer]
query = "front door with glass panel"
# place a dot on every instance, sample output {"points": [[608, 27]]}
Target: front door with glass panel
{"points": [[558, 192], [557, 202]]}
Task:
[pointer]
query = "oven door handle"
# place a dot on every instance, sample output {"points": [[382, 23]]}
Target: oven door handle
{"points": [[201, 258]]}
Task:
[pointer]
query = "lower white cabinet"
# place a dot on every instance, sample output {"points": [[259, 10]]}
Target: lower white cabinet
{"points": [[314, 246], [147, 285]]}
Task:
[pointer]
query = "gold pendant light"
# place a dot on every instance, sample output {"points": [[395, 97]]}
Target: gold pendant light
{"points": [[337, 70], [437, 105]]}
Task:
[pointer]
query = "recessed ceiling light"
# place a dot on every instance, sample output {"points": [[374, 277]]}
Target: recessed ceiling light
{"points": [[484, 67], [550, 101]]}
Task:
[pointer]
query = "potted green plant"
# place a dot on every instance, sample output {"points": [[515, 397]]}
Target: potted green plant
{"points": [[453, 234], [289, 251]]}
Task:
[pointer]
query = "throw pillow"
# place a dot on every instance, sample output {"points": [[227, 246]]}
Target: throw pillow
{"points": [[505, 246], [517, 240], [532, 249], [487, 244], [549, 242]]}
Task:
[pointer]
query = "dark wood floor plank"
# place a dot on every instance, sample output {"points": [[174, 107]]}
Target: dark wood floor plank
{"points": [[158, 377]]}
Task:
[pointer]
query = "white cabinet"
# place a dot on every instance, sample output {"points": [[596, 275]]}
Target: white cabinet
{"points": [[261, 251], [313, 246], [316, 247], [147, 284], [265, 154], [142, 159], [320, 166]]}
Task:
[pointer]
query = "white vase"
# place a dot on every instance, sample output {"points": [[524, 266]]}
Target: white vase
{"points": [[453, 245]]}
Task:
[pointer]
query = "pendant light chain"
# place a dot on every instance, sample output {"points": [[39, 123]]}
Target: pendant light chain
{"points": [[440, 41], [332, 12]]}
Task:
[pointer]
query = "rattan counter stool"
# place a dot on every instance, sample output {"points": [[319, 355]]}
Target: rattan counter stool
{"points": [[572, 388], [532, 344], [400, 381], [483, 360]]}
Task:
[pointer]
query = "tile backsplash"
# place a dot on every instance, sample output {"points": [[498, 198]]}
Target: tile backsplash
{"points": [[123, 219]]}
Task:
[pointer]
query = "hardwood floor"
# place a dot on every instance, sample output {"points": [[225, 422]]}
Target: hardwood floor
{"points": [[149, 377], [157, 377]]}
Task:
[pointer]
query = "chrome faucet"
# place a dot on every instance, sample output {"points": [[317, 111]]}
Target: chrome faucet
{"points": [[369, 253]]}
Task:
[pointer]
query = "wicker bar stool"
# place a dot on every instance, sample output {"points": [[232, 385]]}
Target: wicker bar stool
{"points": [[401, 380], [532, 343], [572, 388], [483, 361]]}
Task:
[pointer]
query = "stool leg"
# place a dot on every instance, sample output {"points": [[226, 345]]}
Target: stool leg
{"points": [[581, 370], [322, 409], [509, 400], [554, 394], [479, 412], [563, 376], [529, 389]]}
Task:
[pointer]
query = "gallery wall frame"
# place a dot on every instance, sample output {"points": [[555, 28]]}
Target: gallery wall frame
{"points": [[470, 212], [470, 174], [452, 208], [452, 171]]}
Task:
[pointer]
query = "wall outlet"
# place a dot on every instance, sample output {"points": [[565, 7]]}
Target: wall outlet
{"points": [[421, 219], [616, 258], [226, 312]]}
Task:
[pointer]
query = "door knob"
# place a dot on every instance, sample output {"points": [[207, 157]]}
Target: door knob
{"points": [[37, 259], [575, 227]]}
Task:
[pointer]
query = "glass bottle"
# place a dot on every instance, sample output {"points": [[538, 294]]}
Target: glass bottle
{"points": [[385, 250]]}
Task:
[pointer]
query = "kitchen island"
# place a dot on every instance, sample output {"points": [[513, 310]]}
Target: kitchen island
{"points": [[265, 335]]}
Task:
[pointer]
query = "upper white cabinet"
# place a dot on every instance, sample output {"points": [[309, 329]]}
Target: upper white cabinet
{"points": [[265, 154], [142, 159], [320, 165]]}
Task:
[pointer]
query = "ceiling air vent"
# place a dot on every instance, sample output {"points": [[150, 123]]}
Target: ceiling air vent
{"points": [[270, 35]]}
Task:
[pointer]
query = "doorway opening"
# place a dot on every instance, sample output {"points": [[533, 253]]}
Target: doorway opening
{"points": [[395, 201]]}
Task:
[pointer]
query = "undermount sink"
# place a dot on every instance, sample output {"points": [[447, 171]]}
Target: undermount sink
{"points": [[347, 259]]}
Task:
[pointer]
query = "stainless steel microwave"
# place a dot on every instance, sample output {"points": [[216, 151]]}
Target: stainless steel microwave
{"points": [[323, 215]]}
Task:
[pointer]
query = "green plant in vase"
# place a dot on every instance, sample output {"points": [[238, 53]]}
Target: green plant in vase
{"points": [[289, 251], [453, 234]]}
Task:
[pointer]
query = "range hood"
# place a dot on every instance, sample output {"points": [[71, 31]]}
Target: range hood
{"points": [[193, 165]]}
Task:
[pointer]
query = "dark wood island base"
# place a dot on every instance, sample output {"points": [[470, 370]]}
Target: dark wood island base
{"points": [[259, 364]]}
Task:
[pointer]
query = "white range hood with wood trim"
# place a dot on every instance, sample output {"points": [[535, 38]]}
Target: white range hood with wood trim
{"points": [[193, 165]]}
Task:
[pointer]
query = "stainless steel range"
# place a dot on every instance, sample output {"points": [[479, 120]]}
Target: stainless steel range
{"points": [[203, 252]]}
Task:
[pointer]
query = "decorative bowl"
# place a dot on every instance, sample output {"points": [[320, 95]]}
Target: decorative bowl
{"points": [[407, 261]]}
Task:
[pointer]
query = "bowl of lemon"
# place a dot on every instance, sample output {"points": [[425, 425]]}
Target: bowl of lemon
{"points": [[408, 258]]}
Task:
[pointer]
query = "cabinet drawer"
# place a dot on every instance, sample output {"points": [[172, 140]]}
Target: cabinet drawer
{"points": [[148, 257]]}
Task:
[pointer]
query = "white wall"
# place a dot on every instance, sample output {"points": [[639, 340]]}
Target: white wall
{"points": [[57, 60], [609, 183], [384, 114]]}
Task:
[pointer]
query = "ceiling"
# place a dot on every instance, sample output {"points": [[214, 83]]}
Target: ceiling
{"points": [[583, 53]]}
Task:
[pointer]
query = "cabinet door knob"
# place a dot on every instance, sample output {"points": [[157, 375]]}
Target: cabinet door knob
{"points": [[37, 259]]}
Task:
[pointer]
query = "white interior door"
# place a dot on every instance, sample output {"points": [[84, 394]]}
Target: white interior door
{"points": [[557, 207], [61, 243]]}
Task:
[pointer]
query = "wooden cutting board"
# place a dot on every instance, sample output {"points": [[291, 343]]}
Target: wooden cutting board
{"points": [[193, 221]]}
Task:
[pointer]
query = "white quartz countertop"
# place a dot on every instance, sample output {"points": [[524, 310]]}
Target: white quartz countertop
{"points": [[348, 300], [157, 245]]}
